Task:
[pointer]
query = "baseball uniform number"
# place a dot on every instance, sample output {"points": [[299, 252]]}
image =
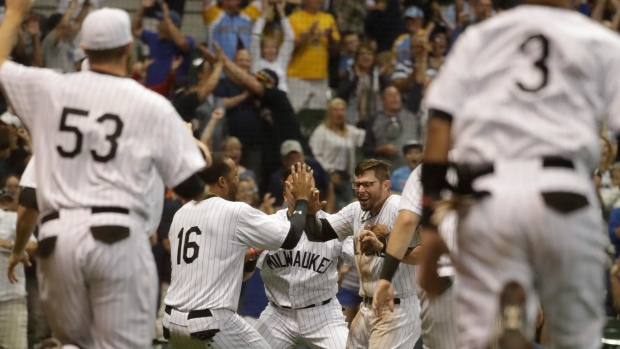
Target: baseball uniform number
{"points": [[540, 64], [188, 245], [111, 138]]}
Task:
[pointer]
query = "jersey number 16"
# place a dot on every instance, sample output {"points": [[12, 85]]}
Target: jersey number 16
{"points": [[185, 245]]}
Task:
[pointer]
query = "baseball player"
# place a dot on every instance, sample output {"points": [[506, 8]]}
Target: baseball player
{"points": [[98, 140], [527, 157], [301, 286], [398, 329], [208, 241], [439, 326]]}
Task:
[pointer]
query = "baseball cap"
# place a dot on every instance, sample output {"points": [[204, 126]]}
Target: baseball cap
{"points": [[413, 12], [410, 144], [10, 119], [105, 29], [290, 146], [268, 75], [174, 16]]}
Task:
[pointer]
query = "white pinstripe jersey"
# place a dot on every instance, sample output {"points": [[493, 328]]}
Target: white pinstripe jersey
{"points": [[348, 222], [411, 200], [305, 275], [531, 82], [155, 192], [98, 137], [208, 241]]}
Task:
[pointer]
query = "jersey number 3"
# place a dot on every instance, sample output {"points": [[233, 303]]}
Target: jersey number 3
{"points": [[185, 245], [540, 64], [79, 137]]}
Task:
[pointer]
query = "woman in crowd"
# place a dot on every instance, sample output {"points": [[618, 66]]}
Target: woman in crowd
{"points": [[361, 86], [334, 143], [437, 54]]}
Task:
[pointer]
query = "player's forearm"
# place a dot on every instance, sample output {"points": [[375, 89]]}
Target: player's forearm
{"points": [[615, 291], [26, 223], [438, 137], [402, 233], [298, 221], [9, 29], [319, 230]]}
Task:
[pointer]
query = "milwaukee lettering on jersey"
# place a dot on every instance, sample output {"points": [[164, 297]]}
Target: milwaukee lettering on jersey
{"points": [[299, 259]]}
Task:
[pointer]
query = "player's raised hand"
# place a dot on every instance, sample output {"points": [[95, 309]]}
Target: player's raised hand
{"points": [[302, 183], [384, 295], [14, 260], [21, 7], [315, 204]]}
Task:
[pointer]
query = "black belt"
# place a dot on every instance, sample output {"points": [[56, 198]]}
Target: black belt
{"points": [[306, 307], [194, 314], [467, 174], [368, 301], [95, 209]]}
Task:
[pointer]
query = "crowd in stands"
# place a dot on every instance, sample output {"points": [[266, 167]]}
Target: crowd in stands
{"points": [[328, 82]]}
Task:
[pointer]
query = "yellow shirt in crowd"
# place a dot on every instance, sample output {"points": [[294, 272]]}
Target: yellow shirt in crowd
{"points": [[310, 61]]}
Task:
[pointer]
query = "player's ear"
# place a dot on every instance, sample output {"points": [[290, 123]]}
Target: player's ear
{"points": [[387, 184], [222, 181]]}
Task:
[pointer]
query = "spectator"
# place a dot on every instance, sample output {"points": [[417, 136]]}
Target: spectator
{"points": [[409, 76], [164, 45], [229, 25], [264, 49], [481, 9], [614, 276], [437, 55], [28, 49], [63, 5], [233, 148], [13, 310], [350, 15], [334, 145], [20, 145], [384, 23], [139, 72], [610, 195], [414, 19], [387, 132], [412, 152], [292, 153], [214, 132], [280, 122], [10, 183], [242, 116], [58, 46], [603, 172], [361, 86], [350, 45], [315, 34]]}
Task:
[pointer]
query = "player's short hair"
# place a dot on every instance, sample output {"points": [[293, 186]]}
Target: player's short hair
{"points": [[104, 56], [381, 168], [287, 172], [218, 168]]}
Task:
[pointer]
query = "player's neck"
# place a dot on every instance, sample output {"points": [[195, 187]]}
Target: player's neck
{"points": [[375, 210], [551, 3], [108, 68]]}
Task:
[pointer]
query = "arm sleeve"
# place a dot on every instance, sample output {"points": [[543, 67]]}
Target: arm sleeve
{"points": [[411, 198], [449, 88], [342, 222], [288, 45], [177, 157], [255, 42], [256, 229], [212, 13], [253, 10], [22, 86]]}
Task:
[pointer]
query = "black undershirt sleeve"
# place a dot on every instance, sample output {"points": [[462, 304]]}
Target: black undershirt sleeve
{"points": [[298, 221]]}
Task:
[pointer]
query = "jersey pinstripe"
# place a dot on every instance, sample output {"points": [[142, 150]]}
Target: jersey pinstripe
{"points": [[113, 146], [438, 314], [305, 275], [348, 222], [208, 241]]}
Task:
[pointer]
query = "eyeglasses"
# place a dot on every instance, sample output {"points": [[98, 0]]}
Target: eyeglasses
{"points": [[366, 185]]}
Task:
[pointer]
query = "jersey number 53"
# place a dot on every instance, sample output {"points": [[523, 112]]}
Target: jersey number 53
{"points": [[79, 137]]}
